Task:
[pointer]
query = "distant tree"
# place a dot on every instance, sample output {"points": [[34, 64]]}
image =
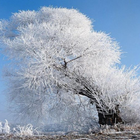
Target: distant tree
{"points": [[6, 128], [0, 127], [57, 55]]}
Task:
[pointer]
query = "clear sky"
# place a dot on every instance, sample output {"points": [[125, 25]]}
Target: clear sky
{"points": [[118, 18]]}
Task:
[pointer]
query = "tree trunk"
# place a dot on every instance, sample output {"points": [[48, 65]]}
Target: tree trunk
{"points": [[111, 118]]}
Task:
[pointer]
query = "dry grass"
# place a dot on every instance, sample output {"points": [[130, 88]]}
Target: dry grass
{"points": [[119, 131], [121, 136], [120, 128]]}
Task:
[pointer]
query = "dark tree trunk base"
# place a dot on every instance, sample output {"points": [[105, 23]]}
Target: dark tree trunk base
{"points": [[110, 118]]}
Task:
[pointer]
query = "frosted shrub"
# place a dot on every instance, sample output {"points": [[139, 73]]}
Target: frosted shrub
{"points": [[6, 128], [26, 130], [0, 127]]}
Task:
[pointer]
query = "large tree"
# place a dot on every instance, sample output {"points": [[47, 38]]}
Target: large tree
{"points": [[57, 54]]}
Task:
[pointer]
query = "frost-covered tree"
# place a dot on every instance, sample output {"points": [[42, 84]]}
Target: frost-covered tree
{"points": [[57, 56], [0, 127], [6, 128]]}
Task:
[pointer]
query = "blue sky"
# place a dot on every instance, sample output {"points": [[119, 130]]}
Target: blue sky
{"points": [[118, 18]]}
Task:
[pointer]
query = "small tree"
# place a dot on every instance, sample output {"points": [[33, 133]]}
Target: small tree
{"points": [[56, 52], [0, 127], [6, 128]]}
